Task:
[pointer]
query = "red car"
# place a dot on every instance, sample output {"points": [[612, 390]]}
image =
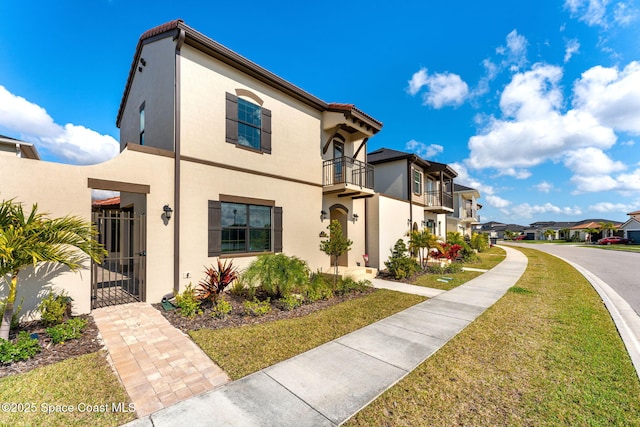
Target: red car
{"points": [[520, 237], [615, 240]]}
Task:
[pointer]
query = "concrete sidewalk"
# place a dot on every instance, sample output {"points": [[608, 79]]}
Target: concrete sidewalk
{"points": [[329, 384]]}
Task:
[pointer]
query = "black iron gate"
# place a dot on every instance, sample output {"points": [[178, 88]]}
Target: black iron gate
{"points": [[121, 277]]}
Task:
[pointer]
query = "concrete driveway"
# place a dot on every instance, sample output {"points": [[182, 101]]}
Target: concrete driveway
{"points": [[620, 270]]}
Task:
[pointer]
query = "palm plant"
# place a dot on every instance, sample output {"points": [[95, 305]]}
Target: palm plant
{"points": [[549, 234], [607, 229], [421, 242], [590, 232], [27, 240]]}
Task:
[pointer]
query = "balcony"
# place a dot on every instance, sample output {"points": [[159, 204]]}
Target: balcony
{"points": [[347, 178], [470, 216], [438, 201]]}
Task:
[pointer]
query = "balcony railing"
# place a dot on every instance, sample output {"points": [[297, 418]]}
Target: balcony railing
{"points": [[345, 170], [438, 198]]}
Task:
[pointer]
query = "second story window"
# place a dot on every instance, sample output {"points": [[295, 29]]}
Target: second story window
{"points": [[417, 182], [142, 124], [248, 124]]}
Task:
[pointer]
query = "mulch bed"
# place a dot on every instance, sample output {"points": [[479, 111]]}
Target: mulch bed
{"points": [[237, 316], [52, 353]]}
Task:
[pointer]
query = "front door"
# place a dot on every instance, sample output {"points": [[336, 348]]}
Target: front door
{"points": [[338, 160]]}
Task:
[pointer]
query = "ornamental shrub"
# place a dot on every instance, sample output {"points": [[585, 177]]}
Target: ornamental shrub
{"points": [[257, 308], [70, 330], [54, 308], [277, 275], [400, 265], [188, 302], [24, 348]]}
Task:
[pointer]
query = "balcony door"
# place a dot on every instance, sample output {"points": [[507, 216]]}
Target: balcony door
{"points": [[338, 158]]}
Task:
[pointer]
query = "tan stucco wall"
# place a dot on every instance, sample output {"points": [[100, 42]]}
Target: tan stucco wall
{"points": [[153, 86], [62, 190], [387, 222], [200, 183], [355, 229], [391, 179], [295, 133]]}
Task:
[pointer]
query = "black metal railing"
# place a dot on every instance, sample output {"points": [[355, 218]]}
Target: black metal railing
{"points": [[438, 198], [345, 170]]}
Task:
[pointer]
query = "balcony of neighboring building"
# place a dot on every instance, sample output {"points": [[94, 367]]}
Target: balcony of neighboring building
{"points": [[470, 216], [347, 177], [438, 201]]}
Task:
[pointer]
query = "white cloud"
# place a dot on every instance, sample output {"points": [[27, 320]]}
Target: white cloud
{"points": [[533, 128], [629, 143], [497, 201], [609, 207], [623, 183], [516, 50], [424, 150], [516, 173], [611, 96], [571, 48], [525, 210], [602, 13], [591, 161], [442, 89], [544, 187], [71, 143]]}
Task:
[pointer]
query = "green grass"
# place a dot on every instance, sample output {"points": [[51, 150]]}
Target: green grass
{"points": [[622, 248], [546, 354], [77, 383], [247, 349], [488, 260]]}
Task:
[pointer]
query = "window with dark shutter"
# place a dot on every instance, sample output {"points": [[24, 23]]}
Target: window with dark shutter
{"points": [[277, 229], [248, 124], [232, 118], [214, 228]]}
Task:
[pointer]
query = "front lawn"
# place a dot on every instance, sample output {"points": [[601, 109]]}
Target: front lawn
{"points": [[547, 353], [81, 391], [243, 350], [487, 260]]}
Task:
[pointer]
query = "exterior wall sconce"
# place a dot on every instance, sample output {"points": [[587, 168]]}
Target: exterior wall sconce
{"points": [[409, 222], [323, 214], [355, 217], [167, 211], [424, 223]]}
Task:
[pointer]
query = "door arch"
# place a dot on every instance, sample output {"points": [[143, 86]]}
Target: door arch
{"points": [[340, 213]]}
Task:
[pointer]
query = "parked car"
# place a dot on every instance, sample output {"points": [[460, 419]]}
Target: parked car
{"points": [[614, 240], [520, 237]]}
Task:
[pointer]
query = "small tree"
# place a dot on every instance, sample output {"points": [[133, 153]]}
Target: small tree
{"points": [[549, 234], [607, 229], [335, 245], [27, 240], [565, 233], [589, 233], [509, 235]]}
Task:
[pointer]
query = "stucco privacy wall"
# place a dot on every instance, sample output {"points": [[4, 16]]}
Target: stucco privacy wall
{"points": [[63, 189]]}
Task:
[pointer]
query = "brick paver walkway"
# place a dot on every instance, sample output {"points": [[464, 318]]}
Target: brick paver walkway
{"points": [[156, 362]]}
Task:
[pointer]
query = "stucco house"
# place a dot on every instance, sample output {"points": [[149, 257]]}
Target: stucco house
{"points": [[220, 158], [411, 193], [631, 227], [465, 210]]}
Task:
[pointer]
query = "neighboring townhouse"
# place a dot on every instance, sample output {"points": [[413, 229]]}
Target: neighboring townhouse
{"points": [[411, 193], [631, 228], [220, 159], [465, 210], [16, 148]]}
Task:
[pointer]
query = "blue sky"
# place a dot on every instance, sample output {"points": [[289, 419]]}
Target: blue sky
{"points": [[536, 105]]}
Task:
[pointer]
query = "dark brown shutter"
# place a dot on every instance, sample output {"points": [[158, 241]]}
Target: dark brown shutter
{"points": [[277, 229], [215, 228], [232, 118], [265, 134]]}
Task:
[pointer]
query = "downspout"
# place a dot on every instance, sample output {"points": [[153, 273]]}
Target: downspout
{"points": [[176, 138], [410, 193]]}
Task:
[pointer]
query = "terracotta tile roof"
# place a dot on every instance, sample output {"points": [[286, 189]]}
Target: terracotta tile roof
{"points": [[106, 202], [592, 225], [634, 213]]}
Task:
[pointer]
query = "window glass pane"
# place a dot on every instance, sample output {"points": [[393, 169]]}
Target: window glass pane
{"points": [[248, 136], [234, 215], [259, 216], [259, 240], [249, 113], [234, 240]]}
